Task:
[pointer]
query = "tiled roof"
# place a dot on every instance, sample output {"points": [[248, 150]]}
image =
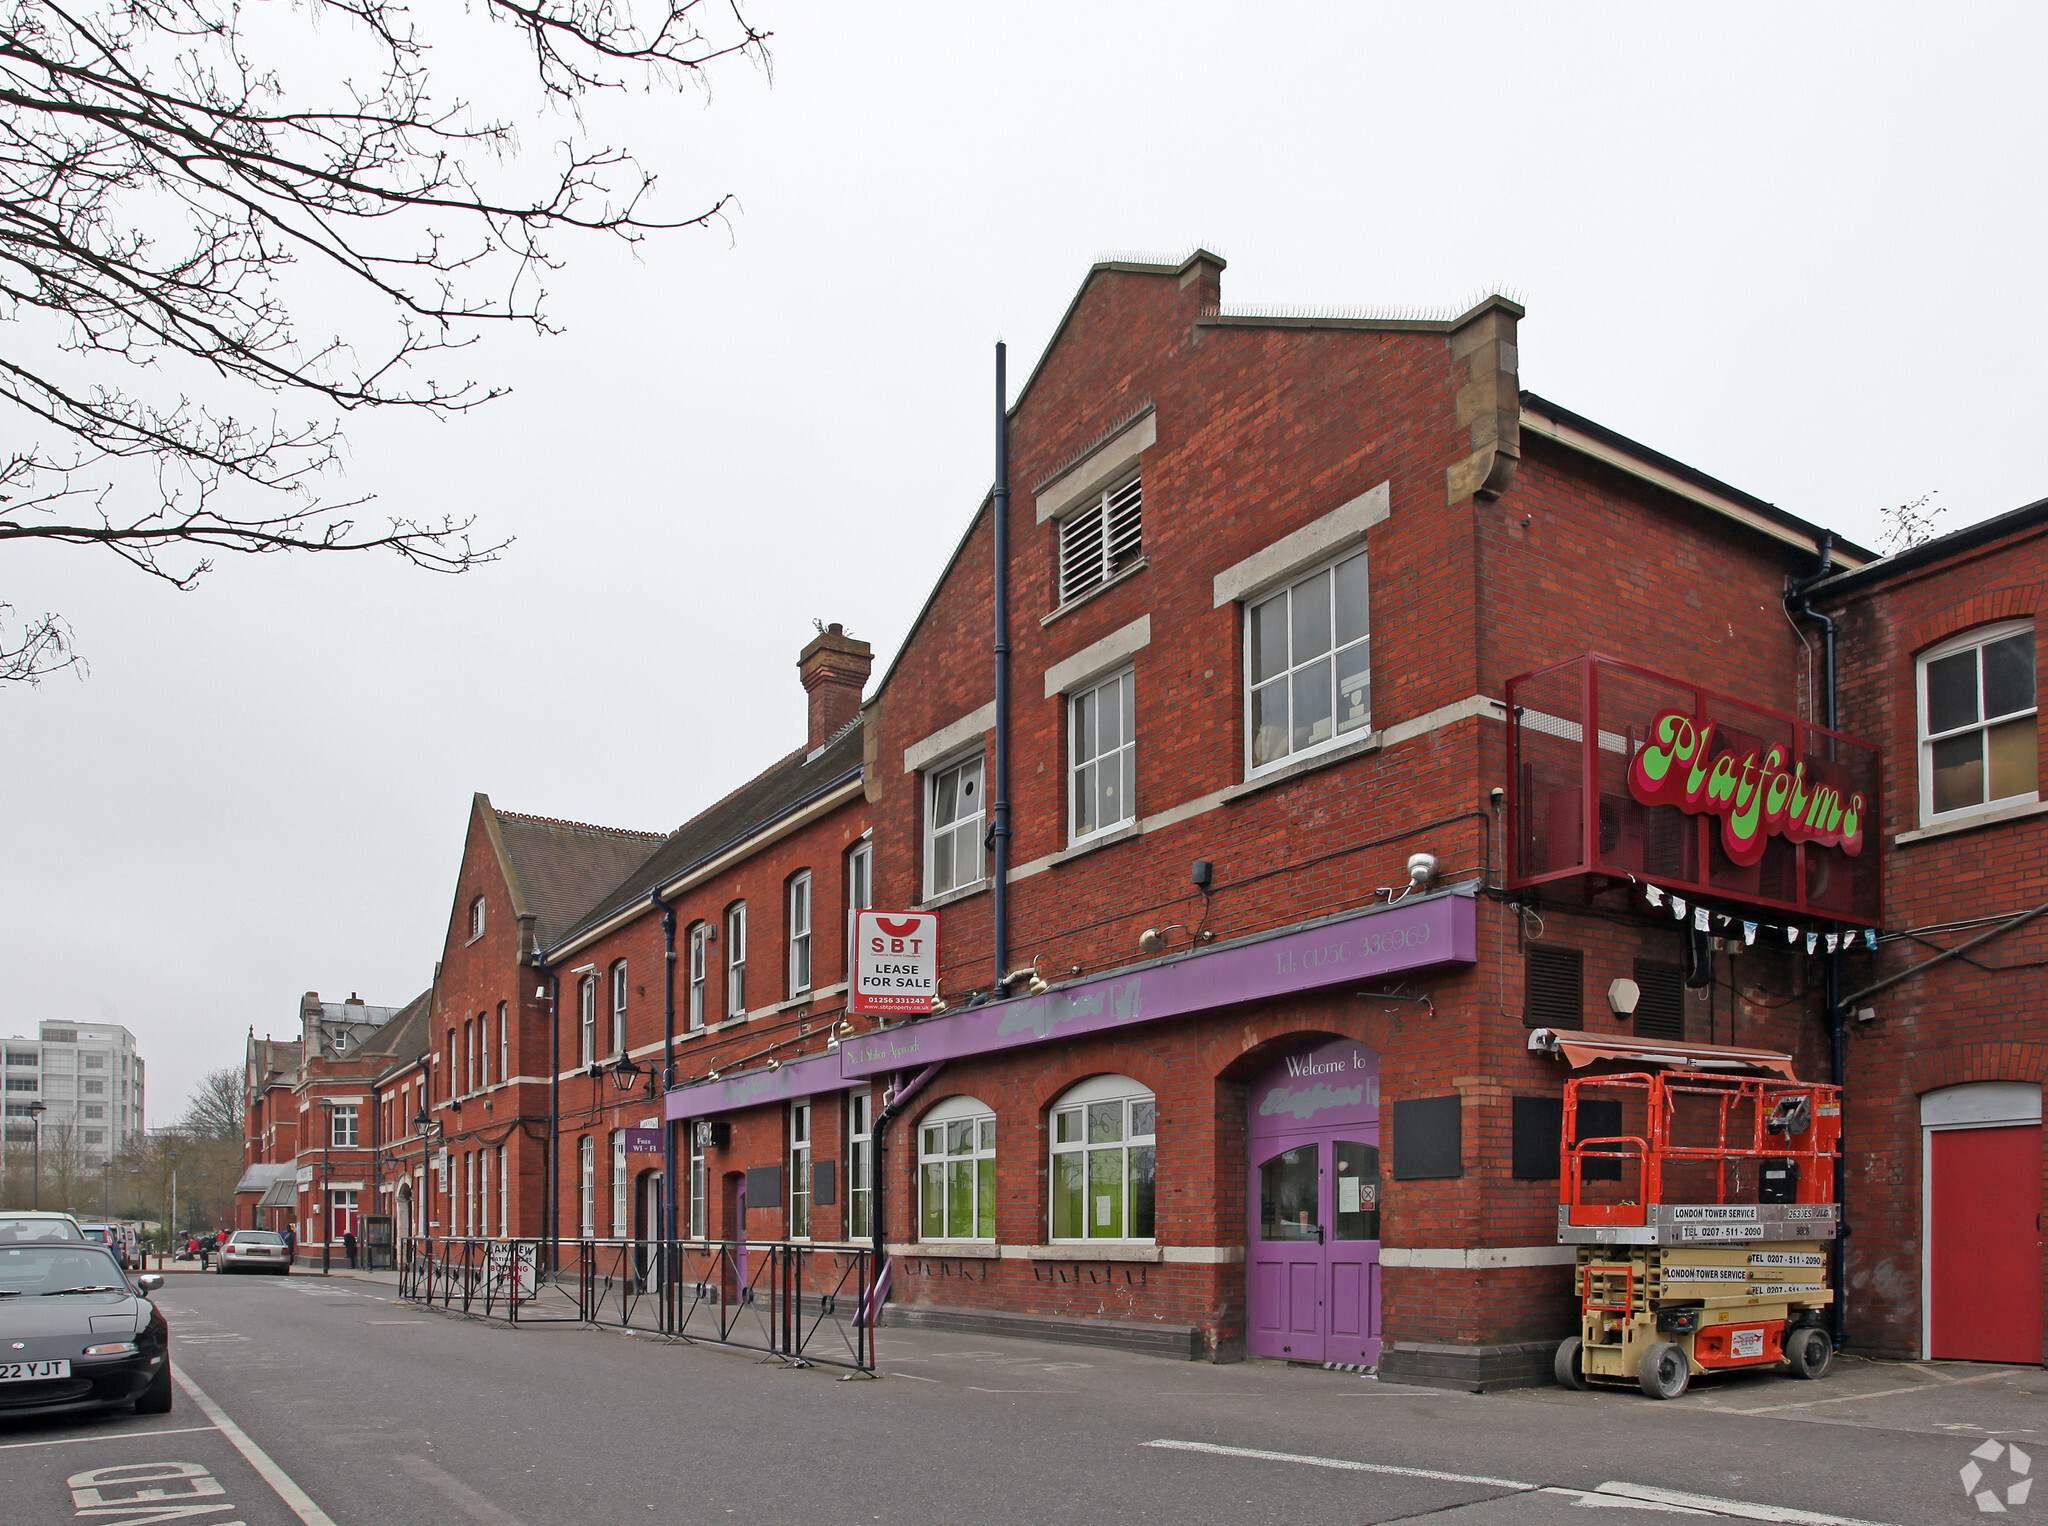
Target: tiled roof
{"points": [[783, 787], [406, 1037], [561, 867]]}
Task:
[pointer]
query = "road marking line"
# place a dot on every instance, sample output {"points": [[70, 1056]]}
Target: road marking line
{"points": [[300, 1503], [1882, 1393], [913, 1377], [1742, 1509], [1592, 1499], [472, 1504], [1343, 1464], [72, 1441], [972, 1389]]}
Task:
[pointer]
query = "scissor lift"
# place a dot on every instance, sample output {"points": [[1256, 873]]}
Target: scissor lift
{"points": [[1702, 1206]]}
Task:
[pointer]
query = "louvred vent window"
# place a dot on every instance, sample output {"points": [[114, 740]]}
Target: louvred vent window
{"points": [[1660, 1010], [1552, 997], [1101, 540]]}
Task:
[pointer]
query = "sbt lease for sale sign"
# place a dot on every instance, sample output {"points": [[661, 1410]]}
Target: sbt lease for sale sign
{"points": [[895, 961]]}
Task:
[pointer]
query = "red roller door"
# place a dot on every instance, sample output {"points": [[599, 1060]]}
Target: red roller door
{"points": [[1985, 1270]]}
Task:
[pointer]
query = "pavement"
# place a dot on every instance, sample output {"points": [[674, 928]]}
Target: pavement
{"points": [[322, 1401]]}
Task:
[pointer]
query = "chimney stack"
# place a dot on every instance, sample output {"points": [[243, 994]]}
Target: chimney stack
{"points": [[834, 668]]}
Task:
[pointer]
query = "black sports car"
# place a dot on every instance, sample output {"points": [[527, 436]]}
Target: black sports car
{"points": [[77, 1333]]}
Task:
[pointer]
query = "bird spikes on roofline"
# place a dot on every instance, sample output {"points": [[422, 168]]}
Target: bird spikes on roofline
{"points": [[1369, 312]]}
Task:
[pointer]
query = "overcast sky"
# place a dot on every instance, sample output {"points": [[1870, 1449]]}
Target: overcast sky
{"points": [[1795, 246]]}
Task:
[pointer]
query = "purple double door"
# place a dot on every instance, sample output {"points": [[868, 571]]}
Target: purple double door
{"points": [[1313, 1268]]}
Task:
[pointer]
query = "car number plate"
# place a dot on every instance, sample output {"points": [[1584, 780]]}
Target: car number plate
{"points": [[29, 1372]]}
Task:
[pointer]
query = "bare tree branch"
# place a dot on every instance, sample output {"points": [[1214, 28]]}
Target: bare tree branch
{"points": [[169, 204]]}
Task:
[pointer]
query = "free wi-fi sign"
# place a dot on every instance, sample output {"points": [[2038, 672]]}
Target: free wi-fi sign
{"points": [[895, 961]]}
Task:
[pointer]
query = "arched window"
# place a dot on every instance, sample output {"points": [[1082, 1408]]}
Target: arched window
{"points": [[586, 1187], [956, 1158], [619, 1007], [586, 1004], [736, 959], [1104, 1161], [799, 973], [700, 954]]}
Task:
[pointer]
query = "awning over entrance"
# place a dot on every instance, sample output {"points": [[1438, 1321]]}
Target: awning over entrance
{"points": [[283, 1193], [262, 1174], [1581, 1049]]}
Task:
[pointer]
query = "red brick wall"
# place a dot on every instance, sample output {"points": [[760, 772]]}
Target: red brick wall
{"points": [[1982, 1020]]}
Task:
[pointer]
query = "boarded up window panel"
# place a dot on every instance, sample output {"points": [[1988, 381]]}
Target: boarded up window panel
{"points": [[1428, 1138], [1660, 1011], [1554, 986], [824, 1183], [1538, 1138], [764, 1187]]}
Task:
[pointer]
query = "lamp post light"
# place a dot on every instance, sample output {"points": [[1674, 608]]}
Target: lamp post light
{"points": [[427, 1127], [174, 1196], [36, 1110]]}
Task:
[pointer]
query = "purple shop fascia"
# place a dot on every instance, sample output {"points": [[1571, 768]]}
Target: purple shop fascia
{"points": [[1411, 934]]}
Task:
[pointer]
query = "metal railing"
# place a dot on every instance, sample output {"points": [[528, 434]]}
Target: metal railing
{"points": [[797, 1303]]}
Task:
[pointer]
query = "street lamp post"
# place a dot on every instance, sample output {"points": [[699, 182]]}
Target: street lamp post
{"points": [[174, 1199], [35, 1112], [327, 1190], [429, 1128]]}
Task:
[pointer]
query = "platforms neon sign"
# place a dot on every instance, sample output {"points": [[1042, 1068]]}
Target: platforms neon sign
{"points": [[1755, 795]]}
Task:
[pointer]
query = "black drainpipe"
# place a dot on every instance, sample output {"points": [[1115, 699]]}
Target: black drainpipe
{"points": [[999, 831], [551, 1192], [1797, 602], [878, 1290], [668, 1065]]}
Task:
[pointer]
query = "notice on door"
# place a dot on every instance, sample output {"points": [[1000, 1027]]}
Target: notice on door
{"points": [[895, 961]]}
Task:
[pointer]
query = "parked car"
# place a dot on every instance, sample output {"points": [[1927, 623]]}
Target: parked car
{"points": [[255, 1250], [77, 1333], [107, 1235], [20, 1226]]}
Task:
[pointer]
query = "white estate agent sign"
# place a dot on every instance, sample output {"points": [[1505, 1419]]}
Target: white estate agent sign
{"points": [[895, 961]]}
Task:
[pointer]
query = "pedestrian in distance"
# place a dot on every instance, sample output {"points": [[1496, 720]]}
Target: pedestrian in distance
{"points": [[205, 1246], [348, 1244], [291, 1245]]}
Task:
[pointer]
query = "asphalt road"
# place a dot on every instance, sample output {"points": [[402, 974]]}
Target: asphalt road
{"points": [[308, 1401]]}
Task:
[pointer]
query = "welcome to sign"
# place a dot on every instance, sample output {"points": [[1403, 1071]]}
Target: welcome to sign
{"points": [[1754, 793]]}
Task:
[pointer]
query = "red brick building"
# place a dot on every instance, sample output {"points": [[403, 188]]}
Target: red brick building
{"points": [[1348, 689], [310, 1142], [1947, 1036], [1270, 578], [724, 951], [485, 1081]]}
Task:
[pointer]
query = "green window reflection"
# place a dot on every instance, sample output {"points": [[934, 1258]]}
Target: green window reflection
{"points": [[957, 1172], [1104, 1162]]}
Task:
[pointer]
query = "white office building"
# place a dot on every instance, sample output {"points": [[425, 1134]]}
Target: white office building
{"points": [[89, 1080]]}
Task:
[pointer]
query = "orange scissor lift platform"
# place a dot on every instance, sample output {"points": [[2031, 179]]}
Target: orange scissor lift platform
{"points": [[1702, 1205]]}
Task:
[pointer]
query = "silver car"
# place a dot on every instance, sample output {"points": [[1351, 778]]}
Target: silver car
{"points": [[255, 1250]]}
